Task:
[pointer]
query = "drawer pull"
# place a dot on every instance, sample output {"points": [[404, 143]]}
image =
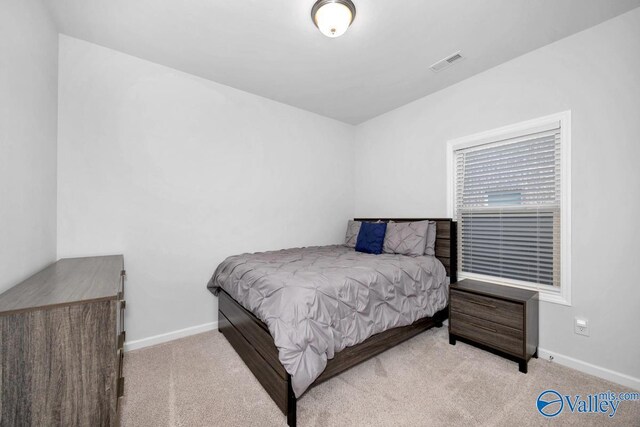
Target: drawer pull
{"points": [[121, 339], [120, 387], [120, 364], [123, 304], [484, 304], [486, 328]]}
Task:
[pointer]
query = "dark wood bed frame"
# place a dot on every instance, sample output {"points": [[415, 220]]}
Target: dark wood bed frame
{"points": [[252, 341]]}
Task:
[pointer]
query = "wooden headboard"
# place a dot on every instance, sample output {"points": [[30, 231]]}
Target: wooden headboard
{"points": [[446, 240]]}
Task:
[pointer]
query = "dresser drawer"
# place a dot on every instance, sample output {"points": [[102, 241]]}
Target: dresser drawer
{"points": [[496, 310], [498, 336]]}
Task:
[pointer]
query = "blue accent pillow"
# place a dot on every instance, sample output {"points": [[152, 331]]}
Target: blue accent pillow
{"points": [[371, 237]]}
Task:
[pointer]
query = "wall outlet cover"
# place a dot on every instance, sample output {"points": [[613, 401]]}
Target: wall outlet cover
{"points": [[581, 326]]}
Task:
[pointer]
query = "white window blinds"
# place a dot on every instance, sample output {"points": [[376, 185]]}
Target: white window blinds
{"points": [[507, 202]]}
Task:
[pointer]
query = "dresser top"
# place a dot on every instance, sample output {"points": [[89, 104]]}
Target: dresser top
{"points": [[494, 290], [68, 281]]}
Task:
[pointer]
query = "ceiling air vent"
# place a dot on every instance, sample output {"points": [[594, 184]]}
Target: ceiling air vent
{"points": [[446, 62]]}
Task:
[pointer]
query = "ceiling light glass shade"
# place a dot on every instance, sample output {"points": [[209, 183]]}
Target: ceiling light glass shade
{"points": [[333, 17]]}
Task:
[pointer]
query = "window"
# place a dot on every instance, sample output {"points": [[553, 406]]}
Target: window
{"points": [[509, 193]]}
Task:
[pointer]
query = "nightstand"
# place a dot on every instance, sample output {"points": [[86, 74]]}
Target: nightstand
{"points": [[499, 318]]}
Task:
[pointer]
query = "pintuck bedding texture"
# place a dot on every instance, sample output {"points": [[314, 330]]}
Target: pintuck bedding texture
{"points": [[318, 300]]}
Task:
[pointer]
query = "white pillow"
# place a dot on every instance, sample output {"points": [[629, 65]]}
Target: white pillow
{"points": [[406, 238], [351, 236], [430, 247]]}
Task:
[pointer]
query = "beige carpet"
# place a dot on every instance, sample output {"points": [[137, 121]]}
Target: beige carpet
{"points": [[201, 381]]}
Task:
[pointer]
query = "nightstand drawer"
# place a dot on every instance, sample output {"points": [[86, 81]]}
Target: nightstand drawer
{"points": [[498, 311], [489, 333]]}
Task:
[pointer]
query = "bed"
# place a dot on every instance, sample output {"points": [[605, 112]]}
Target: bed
{"points": [[298, 317]]}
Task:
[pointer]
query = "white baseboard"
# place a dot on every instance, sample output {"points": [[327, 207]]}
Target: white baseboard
{"points": [[169, 336], [588, 368], [579, 365]]}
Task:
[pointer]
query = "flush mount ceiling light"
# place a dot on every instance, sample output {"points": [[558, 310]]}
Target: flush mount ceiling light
{"points": [[333, 17]]}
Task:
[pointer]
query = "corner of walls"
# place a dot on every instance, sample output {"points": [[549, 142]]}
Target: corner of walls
{"points": [[178, 172], [571, 74]]}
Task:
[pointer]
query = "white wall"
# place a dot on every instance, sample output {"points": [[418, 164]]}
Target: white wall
{"points": [[28, 120], [401, 171], [177, 173]]}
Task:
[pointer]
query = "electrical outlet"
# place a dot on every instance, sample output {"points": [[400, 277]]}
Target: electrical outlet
{"points": [[581, 326]]}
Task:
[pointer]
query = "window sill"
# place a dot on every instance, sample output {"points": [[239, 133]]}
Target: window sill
{"points": [[554, 298], [560, 297]]}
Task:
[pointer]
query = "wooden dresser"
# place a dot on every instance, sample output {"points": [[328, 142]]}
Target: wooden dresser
{"points": [[499, 318], [61, 339]]}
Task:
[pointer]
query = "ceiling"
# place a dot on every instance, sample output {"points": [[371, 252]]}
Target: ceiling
{"points": [[271, 47]]}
